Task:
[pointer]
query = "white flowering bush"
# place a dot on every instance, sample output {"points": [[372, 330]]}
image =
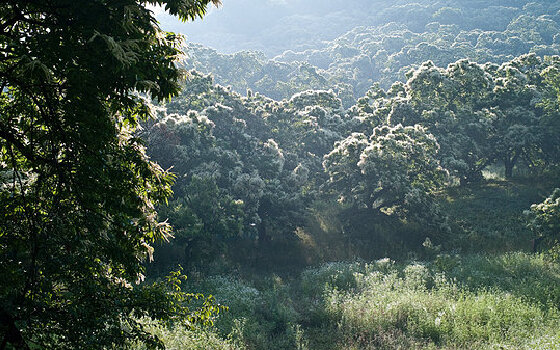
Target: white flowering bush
{"points": [[395, 171], [544, 218]]}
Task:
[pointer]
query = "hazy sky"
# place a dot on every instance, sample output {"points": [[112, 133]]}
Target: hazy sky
{"points": [[271, 26]]}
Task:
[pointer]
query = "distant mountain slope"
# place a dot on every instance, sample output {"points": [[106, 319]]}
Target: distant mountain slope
{"points": [[273, 26], [406, 35]]}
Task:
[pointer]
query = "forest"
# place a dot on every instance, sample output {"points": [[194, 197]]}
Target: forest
{"points": [[280, 174]]}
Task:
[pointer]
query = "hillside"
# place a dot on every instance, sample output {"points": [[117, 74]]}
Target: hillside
{"points": [[385, 47], [380, 176], [292, 174]]}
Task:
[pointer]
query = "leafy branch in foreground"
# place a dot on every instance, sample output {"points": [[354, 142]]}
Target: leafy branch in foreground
{"points": [[77, 191]]}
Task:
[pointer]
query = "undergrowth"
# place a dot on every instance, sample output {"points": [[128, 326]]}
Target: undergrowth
{"points": [[506, 301]]}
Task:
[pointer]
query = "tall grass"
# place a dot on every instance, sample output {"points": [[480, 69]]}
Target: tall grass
{"points": [[418, 307], [506, 301], [181, 338]]}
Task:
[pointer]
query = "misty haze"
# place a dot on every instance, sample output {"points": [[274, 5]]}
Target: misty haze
{"points": [[280, 174]]}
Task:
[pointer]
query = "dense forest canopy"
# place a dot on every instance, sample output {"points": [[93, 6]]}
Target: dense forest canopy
{"points": [[341, 174], [261, 162]]}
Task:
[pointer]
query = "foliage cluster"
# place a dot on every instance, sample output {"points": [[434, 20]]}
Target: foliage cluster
{"points": [[233, 179], [77, 190], [544, 218]]}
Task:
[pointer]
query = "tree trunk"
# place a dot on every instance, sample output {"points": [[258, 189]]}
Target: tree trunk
{"points": [[509, 163], [263, 234], [535, 243], [509, 169], [263, 244], [12, 334]]}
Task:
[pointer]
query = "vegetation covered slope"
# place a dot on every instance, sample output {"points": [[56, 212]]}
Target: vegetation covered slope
{"points": [[251, 167], [392, 39], [409, 137], [279, 25]]}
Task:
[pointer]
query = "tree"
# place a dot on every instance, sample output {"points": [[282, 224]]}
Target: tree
{"points": [[395, 171], [451, 103], [515, 115], [550, 122], [544, 219], [480, 114], [77, 191]]}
